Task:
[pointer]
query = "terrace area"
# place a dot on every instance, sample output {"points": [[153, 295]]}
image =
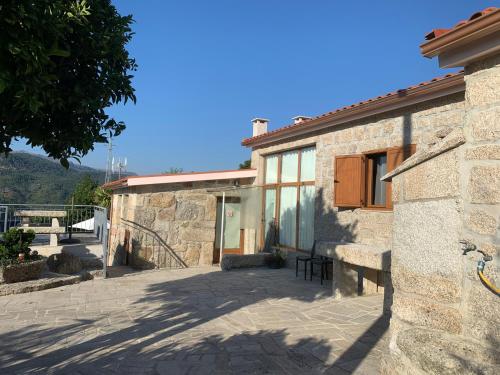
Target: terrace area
{"points": [[193, 320]]}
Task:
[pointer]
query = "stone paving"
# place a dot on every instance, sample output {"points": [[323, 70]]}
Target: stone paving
{"points": [[191, 321]]}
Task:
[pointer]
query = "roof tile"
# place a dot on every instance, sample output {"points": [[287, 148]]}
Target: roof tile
{"points": [[436, 33], [306, 122]]}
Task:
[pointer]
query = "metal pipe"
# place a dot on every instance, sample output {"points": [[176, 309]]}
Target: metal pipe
{"points": [[222, 214]]}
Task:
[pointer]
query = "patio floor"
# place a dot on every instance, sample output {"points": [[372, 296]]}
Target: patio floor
{"points": [[192, 321]]}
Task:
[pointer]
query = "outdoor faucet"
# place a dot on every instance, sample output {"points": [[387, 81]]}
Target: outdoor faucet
{"points": [[467, 246]]}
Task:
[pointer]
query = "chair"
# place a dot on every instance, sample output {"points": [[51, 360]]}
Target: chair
{"points": [[305, 259], [323, 262]]}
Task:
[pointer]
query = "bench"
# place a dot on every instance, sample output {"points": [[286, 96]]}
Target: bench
{"points": [[41, 213], [54, 230], [45, 230], [351, 261]]}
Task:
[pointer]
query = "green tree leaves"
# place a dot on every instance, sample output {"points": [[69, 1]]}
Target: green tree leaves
{"points": [[84, 191], [62, 63]]}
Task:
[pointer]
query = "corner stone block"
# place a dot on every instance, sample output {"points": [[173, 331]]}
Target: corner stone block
{"points": [[482, 86], [483, 310], [440, 289], [483, 152], [484, 184], [485, 124], [426, 313], [490, 249], [426, 238], [481, 222], [435, 178]]}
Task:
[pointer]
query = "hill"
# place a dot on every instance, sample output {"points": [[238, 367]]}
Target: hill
{"points": [[30, 178]]}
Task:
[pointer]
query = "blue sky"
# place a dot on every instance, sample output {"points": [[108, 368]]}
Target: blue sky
{"points": [[206, 68]]}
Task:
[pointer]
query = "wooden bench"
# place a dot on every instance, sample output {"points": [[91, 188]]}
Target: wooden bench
{"points": [[54, 230]]}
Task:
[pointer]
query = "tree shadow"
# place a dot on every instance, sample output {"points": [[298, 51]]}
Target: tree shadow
{"points": [[165, 327]]}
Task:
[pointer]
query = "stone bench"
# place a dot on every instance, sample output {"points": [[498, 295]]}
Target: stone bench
{"points": [[54, 230], [352, 261], [40, 213], [45, 230], [357, 254]]}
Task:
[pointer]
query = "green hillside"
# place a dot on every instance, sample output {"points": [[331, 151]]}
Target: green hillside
{"points": [[29, 178]]}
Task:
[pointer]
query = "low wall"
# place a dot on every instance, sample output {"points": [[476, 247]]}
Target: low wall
{"points": [[163, 227], [231, 261]]}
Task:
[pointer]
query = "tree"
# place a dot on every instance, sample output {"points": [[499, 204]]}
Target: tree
{"points": [[62, 63], [174, 170], [102, 197], [84, 191], [246, 164]]}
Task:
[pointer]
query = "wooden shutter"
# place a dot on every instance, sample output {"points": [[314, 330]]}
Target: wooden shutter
{"points": [[349, 181], [396, 156]]}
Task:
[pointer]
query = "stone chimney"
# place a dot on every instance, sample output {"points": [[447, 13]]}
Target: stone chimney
{"points": [[259, 126], [299, 119]]}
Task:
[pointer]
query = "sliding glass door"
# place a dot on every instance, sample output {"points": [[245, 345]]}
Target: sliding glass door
{"points": [[289, 198]]}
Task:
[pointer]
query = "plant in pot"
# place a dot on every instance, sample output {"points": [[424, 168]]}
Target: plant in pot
{"points": [[17, 261], [277, 259]]}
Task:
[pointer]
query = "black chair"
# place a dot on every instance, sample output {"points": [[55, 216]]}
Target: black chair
{"points": [[324, 262], [305, 259]]}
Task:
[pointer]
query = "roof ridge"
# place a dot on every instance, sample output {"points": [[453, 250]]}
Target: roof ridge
{"points": [[355, 105], [437, 33]]}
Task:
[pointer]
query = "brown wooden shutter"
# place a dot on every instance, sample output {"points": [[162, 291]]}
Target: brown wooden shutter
{"points": [[396, 156], [349, 181]]}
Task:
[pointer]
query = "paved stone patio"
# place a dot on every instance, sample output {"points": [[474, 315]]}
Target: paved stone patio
{"points": [[191, 321]]}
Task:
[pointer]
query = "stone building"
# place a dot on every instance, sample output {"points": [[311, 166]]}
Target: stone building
{"points": [[347, 208], [171, 221], [388, 188], [397, 183]]}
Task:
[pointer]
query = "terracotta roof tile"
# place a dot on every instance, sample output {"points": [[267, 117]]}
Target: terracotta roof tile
{"points": [[305, 123], [436, 33]]}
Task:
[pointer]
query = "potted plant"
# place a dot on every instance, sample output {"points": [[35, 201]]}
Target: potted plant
{"points": [[17, 261], [277, 259]]}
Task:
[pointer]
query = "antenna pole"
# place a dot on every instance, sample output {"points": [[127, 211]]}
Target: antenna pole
{"points": [[109, 164]]}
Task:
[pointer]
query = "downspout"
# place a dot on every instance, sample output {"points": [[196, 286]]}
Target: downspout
{"points": [[222, 227]]}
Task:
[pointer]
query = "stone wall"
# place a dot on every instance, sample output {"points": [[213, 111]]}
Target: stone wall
{"points": [[164, 225], [439, 301], [417, 124]]}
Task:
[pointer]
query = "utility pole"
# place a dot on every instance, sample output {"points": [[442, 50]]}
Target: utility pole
{"points": [[109, 164]]}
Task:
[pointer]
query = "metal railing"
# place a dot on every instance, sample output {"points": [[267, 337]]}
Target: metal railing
{"points": [[73, 218], [163, 256], [68, 219]]}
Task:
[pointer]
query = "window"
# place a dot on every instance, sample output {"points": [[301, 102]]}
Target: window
{"points": [[357, 177], [289, 198], [375, 188]]}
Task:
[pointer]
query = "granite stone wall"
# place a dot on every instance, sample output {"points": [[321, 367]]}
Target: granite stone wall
{"points": [[439, 301], [418, 124], [165, 226]]}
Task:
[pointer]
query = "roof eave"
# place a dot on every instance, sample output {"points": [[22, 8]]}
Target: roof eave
{"points": [[487, 24], [113, 185], [411, 96]]}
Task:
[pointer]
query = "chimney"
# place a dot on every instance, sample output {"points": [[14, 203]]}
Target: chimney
{"points": [[259, 126], [299, 119]]}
